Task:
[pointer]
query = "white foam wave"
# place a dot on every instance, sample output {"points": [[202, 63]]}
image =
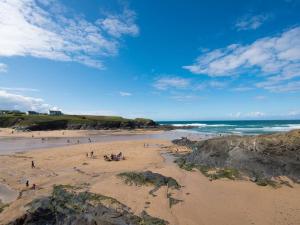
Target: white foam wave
{"points": [[201, 125], [277, 128], [189, 124]]}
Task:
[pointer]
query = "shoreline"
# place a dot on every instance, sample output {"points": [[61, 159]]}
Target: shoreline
{"points": [[36, 140]]}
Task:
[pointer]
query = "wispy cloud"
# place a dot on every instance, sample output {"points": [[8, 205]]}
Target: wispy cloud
{"points": [[125, 94], [240, 115], [10, 100], [49, 30], [251, 22], [260, 97], [184, 97], [118, 25], [165, 83], [242, 89], [19, 89], [3, 68], [275, 59], [292, 86]]}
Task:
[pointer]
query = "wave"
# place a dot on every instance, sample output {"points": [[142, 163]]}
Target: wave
{"points": [[189, 124], [201, 125], [277, 128]]}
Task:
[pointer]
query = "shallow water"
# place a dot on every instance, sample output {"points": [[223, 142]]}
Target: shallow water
{"points": [[13, 145], [7, 194]]}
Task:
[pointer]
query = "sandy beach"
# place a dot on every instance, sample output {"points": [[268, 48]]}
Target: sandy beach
{"points": [[203, 201]]}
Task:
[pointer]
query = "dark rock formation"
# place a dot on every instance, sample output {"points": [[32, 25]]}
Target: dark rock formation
{"points": [[148, 177], [66, 206], [184, 141], [258, 156]]}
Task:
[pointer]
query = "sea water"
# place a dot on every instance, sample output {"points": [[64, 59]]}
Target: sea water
{"points": [[241, 127]]}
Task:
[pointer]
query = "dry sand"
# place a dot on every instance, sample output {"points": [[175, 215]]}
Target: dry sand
{"points": [[221, 202]]}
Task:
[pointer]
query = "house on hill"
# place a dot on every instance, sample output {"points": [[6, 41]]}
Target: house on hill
{"points": [[55, 113]]}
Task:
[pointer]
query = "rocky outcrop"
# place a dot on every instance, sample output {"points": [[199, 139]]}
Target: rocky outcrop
{"points": [[66, 206], [258, 156], [184, 141]]}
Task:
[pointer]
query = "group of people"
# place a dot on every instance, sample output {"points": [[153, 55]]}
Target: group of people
{"points": [[114, 157], [91, 154], [33, 187]]}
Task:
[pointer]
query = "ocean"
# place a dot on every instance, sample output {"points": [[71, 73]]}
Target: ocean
{"points": [[240, 127]]}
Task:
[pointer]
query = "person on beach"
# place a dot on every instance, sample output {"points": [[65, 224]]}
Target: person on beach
{"points": [[87, 154], [32, 164], [90, 140], [27, 183], [33, 187], [119, 155], [92, 154], [106, 158]]}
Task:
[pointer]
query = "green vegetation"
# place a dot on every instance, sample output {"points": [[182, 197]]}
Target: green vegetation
{"points": [[154, 179], [266, 182], [47, 122], [2, 206], [67, 205], [229, 173], [211, 173]]}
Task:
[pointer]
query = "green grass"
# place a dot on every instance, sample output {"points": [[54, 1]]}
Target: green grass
{"points": [[21, 120]]}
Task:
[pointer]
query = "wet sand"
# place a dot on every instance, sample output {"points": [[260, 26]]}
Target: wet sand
{"points": [[221, 202], [25, 141]]}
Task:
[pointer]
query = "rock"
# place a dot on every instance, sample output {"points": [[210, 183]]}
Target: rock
{"points": [[67, 206], [258, 156], [184, 141]]}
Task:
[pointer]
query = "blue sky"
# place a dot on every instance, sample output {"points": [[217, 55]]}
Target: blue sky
{"points": [[166, 60]]}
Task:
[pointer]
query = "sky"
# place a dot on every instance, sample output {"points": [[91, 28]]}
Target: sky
{"points": [[165, 60]]}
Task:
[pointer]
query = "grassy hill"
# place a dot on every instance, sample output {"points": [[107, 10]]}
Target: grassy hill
{"points": [[47, 122]]}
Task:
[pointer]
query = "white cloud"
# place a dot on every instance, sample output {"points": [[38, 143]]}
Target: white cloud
{"points": [[292, 86], [260, 97], [239, 115], [18, 89], [118, 25], [242, 89], [250, 22], [275, 59], [217, 84], [165, 83], [124, 94], [14, 101], [49, 30], [255, 114], [3, 68], [184, 98], [94, 112]]}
